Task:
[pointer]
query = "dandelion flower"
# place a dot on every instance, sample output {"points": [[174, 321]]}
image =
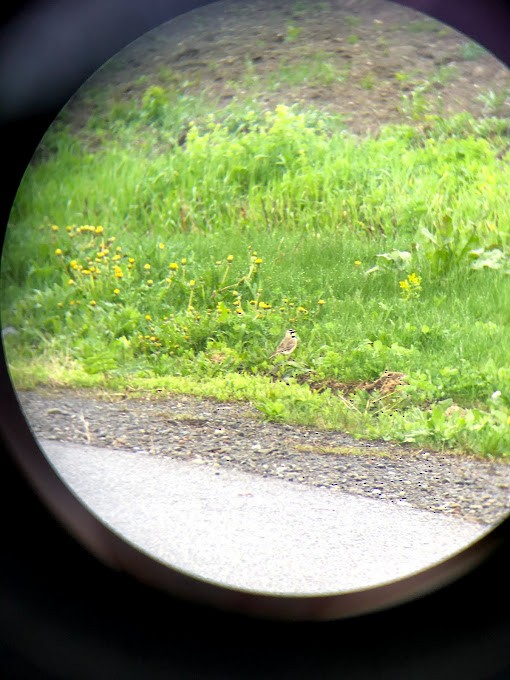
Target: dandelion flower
{"points": [[184, 261], [99, 230], [93, 303], [147, 266], [71, 282], [58, 251], [230, 258], [258, 260], [116, 291], [150, 282], [148, 317], [192, 283], [54, 228], [320, 302], [161, 246], [357, 263], [174, 266]]}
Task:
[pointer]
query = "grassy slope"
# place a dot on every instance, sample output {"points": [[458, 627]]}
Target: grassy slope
{"points": [[200, 255]]}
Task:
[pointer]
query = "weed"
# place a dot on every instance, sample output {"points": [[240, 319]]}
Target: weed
{"points": [[292, 33], [471, 51], [494, 101]]}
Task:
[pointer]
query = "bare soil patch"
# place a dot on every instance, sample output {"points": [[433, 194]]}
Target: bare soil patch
{"points": [[357, 58]]}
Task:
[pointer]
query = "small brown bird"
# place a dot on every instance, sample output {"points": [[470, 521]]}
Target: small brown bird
{"points": [[287, 345]]}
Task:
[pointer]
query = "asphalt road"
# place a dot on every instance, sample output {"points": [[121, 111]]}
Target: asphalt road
{"points": [[252, 533]]}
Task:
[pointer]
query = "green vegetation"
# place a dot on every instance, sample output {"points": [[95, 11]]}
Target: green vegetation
{"points": [[165, 247], [471, 51]]}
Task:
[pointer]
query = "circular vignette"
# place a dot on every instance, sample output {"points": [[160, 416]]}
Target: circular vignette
{"points": [[486, 22]]}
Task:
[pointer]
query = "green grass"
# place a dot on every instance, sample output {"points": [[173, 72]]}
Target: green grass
{"points": [[148, 261]]}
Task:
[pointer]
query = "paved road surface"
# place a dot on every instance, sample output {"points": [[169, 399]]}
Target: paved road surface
{"points": [[252, 533]]}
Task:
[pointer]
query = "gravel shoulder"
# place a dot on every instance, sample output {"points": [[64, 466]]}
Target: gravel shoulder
{"points": [[234, 435]]}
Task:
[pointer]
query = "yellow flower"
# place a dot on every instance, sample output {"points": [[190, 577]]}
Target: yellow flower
{"points": [[161, 246], [99, 230], [116, 291], [357, 263], [54, 228], [302, 310], [150, 282], [230, 258], [131, 260], [411, 286], [184, 261], [258, 260], [86, 271], [68, 229], [93, 303], [192, 283], [147, 266], [60, 304], [174, 266], [116, 257], [71, 282], [320, 302], [58, 251], [148, 317]]}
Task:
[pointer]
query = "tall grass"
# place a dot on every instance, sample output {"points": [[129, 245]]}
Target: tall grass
{"points": [[180, 249]]}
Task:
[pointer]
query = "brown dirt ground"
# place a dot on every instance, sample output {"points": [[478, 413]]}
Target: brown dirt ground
{"points": [[357, 58]]}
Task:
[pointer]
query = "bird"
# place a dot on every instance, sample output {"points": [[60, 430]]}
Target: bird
{"points": [[287, 345]]}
